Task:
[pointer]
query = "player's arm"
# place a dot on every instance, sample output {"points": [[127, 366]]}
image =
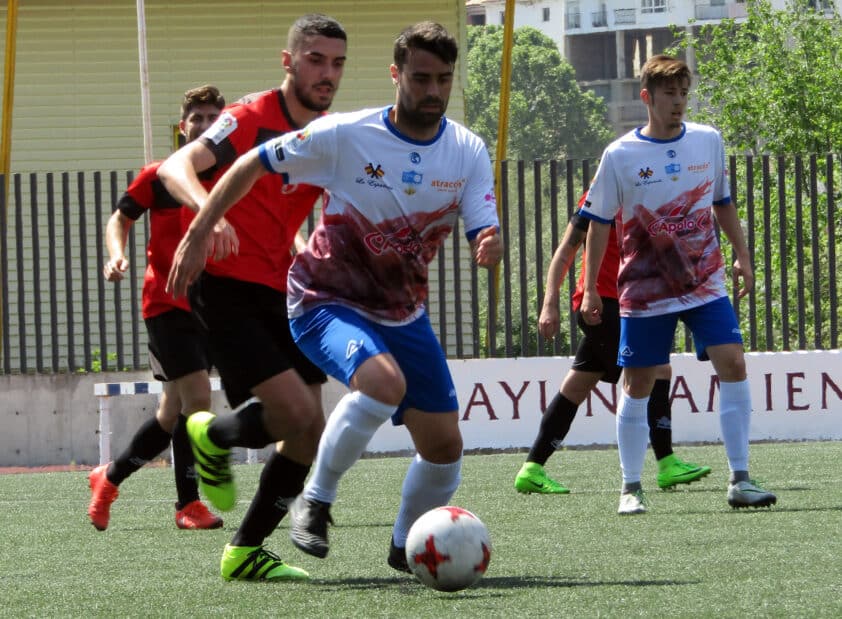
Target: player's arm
{"points": [[729, 223], [116, 235], [192, 251], [487, 247], [597, 242], [565, 254], [180, 176]]}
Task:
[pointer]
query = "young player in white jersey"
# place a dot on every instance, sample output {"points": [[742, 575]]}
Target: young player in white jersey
{"points": [[396, 179], [669, 180]]}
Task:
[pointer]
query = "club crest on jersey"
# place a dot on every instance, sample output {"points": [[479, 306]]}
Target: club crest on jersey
{"points": [[415, 157], [645, 172], [374, 172], [224, 126]]}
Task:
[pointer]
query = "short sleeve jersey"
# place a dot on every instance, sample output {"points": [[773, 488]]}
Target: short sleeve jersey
{"points": [[147, 193], [390, 202], [268, 217], [670, 259]]}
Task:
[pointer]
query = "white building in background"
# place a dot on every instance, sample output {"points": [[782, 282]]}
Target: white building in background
{"points": [[607, 42]]}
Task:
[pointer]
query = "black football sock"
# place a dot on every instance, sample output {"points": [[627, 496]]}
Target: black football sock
{"points": [[183, 464], [280, 482], [150, 440], [555, 424], [659, 414], [245, 428]]}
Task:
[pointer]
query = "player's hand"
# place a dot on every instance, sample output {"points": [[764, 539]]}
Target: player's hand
{"points": [[742, 269], [188, 262], [114, 268], [487, 247], [548, 321], [591, 308], [224, 241]]}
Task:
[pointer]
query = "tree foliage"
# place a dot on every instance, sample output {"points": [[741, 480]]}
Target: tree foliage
{"points": [[772, 83], [550, 116]]}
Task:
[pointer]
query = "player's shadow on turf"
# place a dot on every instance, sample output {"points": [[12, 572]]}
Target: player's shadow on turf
{"points": [[498, 582]]}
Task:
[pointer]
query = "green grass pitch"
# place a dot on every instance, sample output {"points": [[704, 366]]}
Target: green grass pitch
{"points": [[690, 556]]}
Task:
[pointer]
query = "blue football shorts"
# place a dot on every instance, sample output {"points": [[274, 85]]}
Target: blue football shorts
{"points": [[646, 341], [339, 340]]}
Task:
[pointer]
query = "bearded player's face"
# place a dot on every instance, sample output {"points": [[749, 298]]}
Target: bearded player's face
{"points": [[317, 69]]}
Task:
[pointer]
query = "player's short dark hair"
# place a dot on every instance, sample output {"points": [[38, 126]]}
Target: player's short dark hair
{"points": [[202, 95], [662, 69], [313, 24], [430, 37]]}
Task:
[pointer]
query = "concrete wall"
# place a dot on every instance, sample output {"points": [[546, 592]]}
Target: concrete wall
{"points": [[54, 419]]}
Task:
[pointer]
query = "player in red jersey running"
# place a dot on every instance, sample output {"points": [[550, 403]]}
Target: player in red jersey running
{"points": [[241, 300], [596, 360], [177, 348]]}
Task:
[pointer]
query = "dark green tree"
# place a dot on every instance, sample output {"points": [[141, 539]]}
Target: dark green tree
{"points": [[550, 116]]}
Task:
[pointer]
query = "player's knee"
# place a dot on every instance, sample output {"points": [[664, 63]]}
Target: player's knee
{"points": [[442, 448]]}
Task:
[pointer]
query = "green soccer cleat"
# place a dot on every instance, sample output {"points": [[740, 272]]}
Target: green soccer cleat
{"points": [[672, 472], [256, 563], [532, 478], [213, 464]]}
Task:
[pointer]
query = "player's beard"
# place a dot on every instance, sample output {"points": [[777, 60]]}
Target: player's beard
{"points": [[418, 119], [308, 101]]}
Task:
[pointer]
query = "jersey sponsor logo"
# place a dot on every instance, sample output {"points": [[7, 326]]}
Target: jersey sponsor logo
{"points": [[448, 186], [354, 346], [675, 223], [415, 157], [645, 172], [412, 177], [698, 168], [224, 126], [673, 170]]}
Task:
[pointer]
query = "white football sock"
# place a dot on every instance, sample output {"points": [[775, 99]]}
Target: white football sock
{"points": [[348, 430], [632, 436], [735, 422], [425, 486]]}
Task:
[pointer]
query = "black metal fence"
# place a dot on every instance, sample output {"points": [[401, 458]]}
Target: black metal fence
{"points": [[59, 315]]}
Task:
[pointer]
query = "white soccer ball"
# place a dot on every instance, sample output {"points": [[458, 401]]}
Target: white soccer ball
{"points": [[448, 548]]}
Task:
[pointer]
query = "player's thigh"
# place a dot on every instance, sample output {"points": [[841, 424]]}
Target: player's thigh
{"points": [[717, 336], [429, 384], [177, 345], [349, 347], [436, 435], [597, 350], [249, 339], [646, 341]]}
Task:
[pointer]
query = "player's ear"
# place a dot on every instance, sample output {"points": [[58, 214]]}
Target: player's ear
{"points": [[645, 96], [286, 60], [393, 71]]}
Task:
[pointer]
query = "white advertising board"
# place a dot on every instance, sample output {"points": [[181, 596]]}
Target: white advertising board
{"points": [[795, 396]]}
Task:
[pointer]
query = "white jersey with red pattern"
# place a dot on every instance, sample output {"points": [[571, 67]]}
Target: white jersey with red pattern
{"points": [[670, 256], [390, 202]]}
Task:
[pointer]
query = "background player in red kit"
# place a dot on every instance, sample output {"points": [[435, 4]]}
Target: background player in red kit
{"points": [[596, 360], [177, 348], [241, 300]]}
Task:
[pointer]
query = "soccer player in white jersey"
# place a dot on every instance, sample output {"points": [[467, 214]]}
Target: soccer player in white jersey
{"points": [[396, 178], [667, 178]]}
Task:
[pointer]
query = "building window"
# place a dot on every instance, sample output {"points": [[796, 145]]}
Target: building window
{"points": [[653, 6], [545, 14]]}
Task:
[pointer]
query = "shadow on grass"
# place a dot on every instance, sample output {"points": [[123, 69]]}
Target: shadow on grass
{"points": [[499, 582]]}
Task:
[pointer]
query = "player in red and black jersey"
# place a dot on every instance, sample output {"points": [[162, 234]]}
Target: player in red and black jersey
{"points": [[177, 349], [596, 360], [241, 300]]}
